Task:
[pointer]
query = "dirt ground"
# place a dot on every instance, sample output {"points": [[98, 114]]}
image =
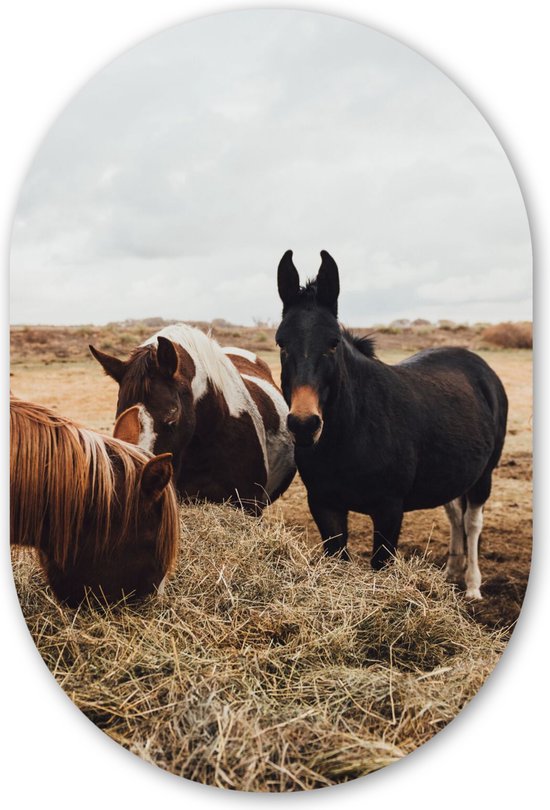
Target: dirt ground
{"points": [[79, 389]]}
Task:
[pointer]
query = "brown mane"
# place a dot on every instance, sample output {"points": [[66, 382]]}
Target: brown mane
{"points": [[63, 477], [139, 367]]}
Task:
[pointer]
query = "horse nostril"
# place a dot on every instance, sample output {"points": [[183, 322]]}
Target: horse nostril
{"points": [[313, 423], [292, 423], [304, 426]]}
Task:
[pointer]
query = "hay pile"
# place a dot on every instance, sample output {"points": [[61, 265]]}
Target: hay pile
{"points": [[264, 667]]}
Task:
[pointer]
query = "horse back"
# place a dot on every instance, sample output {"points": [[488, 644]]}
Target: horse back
{"points": [[459, 420], [451, 377]]}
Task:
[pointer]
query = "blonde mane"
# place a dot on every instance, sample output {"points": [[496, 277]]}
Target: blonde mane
{"points": [[211, 366], [63, 476]]}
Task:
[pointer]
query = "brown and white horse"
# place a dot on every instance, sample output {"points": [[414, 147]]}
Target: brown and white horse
{"points": [[101, 513], [217, 410]]}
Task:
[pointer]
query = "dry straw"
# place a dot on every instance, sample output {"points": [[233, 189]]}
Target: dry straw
{"points": [[264, 667]]}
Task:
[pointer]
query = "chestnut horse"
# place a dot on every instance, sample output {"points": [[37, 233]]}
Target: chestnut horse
{"points": [[101, 513], [217, 410], [383, 440]]}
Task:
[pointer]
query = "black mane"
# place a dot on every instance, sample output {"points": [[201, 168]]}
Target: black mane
{"points": [[308, 294], [365, 344]]}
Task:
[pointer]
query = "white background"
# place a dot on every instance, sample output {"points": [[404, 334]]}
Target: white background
{"points": [[494, 754]]}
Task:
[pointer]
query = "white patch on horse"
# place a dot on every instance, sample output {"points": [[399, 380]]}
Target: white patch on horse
{"points": [[248, 355], [473, 523], [147, 435], [214, 367], [280, 446]]}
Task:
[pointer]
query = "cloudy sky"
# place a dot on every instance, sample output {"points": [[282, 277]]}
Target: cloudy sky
{"points": [[175, 180]]}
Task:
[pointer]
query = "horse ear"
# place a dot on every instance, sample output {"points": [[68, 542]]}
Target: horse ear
{"points": [[167, 357], [112, 366], [156, 476], [328, 283], [288, 280], [127, 426]]}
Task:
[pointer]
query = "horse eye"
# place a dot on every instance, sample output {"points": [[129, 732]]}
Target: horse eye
{"points": [[332, 348], [171, 420]]}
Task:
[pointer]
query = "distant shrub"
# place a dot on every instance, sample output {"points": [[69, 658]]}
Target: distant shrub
{"points": [[36, 336], [126, 338], [510, 335], [400, 323], [446, 326]]}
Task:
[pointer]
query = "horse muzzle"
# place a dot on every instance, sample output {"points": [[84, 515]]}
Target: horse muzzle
{"points": [[304, 420], [305, 430]]}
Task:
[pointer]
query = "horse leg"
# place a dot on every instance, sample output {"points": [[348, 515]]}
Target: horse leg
{"points": [[473, 523], [333, 527], [387, 526], [456, 562]]}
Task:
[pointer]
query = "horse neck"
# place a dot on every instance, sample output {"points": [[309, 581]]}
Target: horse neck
{"points": [[350, 392], [226, 396], [211, 413]]}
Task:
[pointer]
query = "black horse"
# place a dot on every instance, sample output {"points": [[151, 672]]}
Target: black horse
{"points": [[383, 440]]}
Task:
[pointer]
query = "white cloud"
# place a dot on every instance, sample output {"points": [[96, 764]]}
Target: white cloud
{"points": [[495, 286], [175, 180]]}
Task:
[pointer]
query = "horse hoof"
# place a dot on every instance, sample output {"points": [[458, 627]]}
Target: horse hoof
{"points": [[474, 594]]}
